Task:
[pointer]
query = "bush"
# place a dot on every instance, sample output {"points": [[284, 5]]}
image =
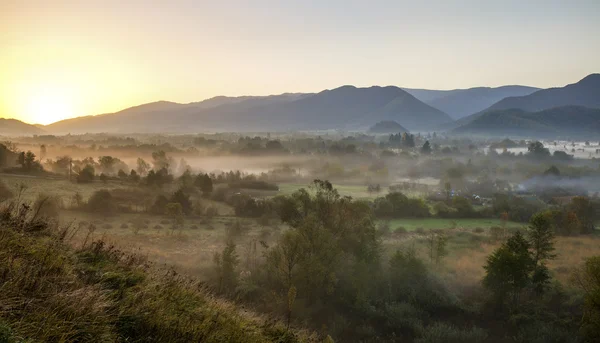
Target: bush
{"points": [[445, 333], [101, 202], [211, 212], [160, 204], [46, 206], [384, 228], [400, 230], [124, 226], [86, 175], [5, 192]]}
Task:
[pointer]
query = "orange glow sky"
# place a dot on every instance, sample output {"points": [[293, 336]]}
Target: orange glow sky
{"points": [[60, 59]]}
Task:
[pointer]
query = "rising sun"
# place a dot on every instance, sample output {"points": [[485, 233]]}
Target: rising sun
{"points": [[49, 105]]}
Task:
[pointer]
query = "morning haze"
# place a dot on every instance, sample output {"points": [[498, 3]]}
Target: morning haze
{"points": [[267, 171]]}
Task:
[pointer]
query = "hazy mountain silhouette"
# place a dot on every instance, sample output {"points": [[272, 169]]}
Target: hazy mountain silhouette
{"points": [[14, 127], [584, 93], [459, 103], [387, 126], [345, 107], [558, 121]]}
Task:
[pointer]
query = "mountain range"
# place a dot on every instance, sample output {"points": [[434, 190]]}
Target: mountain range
{"points": [[459, 103], [346, 108], [585, 93]]}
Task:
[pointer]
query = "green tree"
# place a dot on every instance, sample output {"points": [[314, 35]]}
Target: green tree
{"points": [[86, 175], [226, 263], [426, 148], [142, 167], [508, 269], [536, 149], [541, 238], [175, 212], [587, 279]]}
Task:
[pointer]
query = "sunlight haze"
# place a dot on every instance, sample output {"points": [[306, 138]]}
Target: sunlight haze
{"points": [[61, 59]]}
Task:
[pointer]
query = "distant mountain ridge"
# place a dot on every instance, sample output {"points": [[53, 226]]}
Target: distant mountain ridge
{"points": [[558, 121], [459, 103], [14, 127], [585, 93], [346, 107]]}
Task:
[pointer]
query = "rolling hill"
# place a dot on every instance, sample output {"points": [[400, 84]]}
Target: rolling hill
{"points": [[13, 127], [558, 121], [346, 107], [459, 103]]}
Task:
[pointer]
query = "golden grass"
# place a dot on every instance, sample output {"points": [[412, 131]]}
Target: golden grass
{"points": [[467, 265]]}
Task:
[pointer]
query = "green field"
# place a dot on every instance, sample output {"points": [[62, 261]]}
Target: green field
{"points": [[441, 223]]}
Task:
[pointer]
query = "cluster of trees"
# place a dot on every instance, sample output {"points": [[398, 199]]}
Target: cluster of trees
{"points": [[398, 205], [329, 270], [405, 139]]}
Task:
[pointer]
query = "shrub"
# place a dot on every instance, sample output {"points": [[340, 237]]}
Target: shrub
{"points": [[445, 333], [124, 226], [478, 230], [5, 192], [211, 212], [101, 202], [160, 203], [46, 206], [400, 230], [107, 226], [86, 175], [384, 228]]}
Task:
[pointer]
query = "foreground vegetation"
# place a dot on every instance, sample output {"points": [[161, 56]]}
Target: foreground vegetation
{"points": [[52, 292]]}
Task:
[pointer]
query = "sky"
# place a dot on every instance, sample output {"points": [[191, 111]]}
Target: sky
{"points": [[60, 59]]}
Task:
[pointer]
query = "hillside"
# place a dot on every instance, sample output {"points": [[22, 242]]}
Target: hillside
{"points": [[584, 93], [346, 107], [13, 127], [389, 126], [52, 292], [559, 121], [459, 103]]}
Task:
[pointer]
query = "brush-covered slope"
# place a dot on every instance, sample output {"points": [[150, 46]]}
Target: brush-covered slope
{"points": [[346, 107], [563, 121], [13, 127], [459, 103], [52, 292], [387, 126]]}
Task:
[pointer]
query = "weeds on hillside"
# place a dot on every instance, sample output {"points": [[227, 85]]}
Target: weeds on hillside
{"points": [[51, 292]]}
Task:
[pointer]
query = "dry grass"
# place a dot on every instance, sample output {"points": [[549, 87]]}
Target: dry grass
{"points": [[52, 292], [467, 265]]}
